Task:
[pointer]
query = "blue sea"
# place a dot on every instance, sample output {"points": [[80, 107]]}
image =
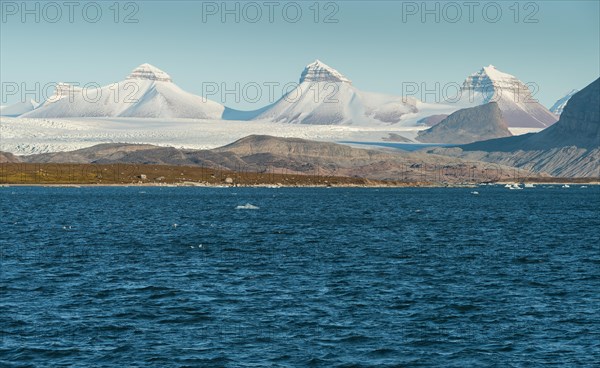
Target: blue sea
{"points": [[258, 277]]}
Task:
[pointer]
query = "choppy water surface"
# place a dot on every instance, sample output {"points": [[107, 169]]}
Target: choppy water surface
{"points": [[169, 277]]}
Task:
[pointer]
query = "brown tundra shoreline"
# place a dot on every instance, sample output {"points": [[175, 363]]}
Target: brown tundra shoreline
{"points": [[167, 175]]}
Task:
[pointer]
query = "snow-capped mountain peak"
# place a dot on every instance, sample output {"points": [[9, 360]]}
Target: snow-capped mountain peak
{"points": [[148, 92], [149, 72], [326, 97], [490, 77], [318, 71], [518, 105], [560, 104]]}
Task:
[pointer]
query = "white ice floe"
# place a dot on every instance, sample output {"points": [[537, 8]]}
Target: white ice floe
{"points": [[247, 206]]}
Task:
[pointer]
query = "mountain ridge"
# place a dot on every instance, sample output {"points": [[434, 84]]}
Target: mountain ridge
{"points": [[323, 96]]}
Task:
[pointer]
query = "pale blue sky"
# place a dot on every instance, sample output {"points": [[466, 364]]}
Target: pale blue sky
{"points": [[371, 44]]}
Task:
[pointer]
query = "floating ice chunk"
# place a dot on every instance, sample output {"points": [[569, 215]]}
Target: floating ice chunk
{"points": [[247, 206]]}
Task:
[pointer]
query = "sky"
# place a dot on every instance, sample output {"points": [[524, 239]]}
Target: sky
{"points": [[382, 46]]}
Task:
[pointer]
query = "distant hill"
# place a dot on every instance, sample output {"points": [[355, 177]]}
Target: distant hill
{"points": [[468, 125], [8, 157], [258, 153]]}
